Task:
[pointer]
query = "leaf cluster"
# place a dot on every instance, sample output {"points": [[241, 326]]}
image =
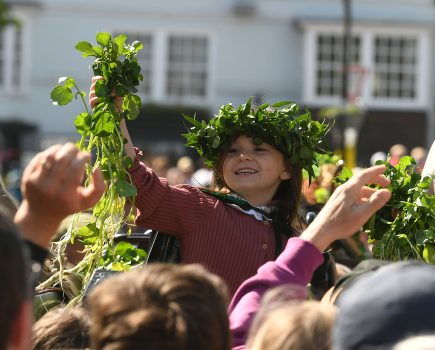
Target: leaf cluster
{"points": [[116, 62], [283, 124], [404, 228], [122, 257]]}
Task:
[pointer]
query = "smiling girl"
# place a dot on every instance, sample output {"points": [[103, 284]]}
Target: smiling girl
{"points": [[245, 219]]}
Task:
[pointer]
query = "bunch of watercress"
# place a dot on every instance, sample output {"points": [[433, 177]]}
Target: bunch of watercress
{"points": [[116, 62], [405, 227]]}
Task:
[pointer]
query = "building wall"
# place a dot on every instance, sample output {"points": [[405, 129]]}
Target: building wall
{"points": [[261, 51]]}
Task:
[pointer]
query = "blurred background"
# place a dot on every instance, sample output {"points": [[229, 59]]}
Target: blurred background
{"points": [[365, 63]]}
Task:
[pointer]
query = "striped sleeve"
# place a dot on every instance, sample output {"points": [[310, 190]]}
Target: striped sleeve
{"points": [[176, 210]]}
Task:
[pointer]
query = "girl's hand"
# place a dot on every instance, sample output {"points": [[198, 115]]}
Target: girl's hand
{"points": [[349, 207], [52, 189], [94, 99]]}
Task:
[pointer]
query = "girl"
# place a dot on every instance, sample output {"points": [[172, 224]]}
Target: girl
{"points": [[257, 158]]}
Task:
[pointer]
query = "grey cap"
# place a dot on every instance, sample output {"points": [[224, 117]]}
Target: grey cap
{"points": [[386, 306]]}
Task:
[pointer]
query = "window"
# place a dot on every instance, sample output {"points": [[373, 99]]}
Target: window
{"points": [[329, 63], [395, 67], [387, 69], [187, 64], [175, 67], [11, 58]]}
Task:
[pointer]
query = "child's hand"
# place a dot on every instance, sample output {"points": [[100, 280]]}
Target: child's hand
{"points": [[52, 190], [94, 99], [349, 207]]}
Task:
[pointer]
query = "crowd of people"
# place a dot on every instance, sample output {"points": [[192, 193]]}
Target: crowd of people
{"points": [[253, 273]]}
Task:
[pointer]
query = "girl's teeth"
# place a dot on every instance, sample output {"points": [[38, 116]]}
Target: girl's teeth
{"points": [[243, 172]]}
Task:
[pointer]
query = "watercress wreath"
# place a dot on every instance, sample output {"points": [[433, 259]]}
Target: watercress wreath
{"points": [[281, 124]]}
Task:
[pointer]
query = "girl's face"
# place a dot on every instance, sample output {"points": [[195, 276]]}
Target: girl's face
{"points": [[254, 172]]}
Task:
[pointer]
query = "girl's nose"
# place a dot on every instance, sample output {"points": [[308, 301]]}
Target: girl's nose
{"points": [[244, 156]]}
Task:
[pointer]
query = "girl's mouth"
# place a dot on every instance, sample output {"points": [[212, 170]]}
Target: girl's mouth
{"points": [[246, 172]]}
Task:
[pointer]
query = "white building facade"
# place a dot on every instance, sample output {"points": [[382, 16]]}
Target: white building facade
{"points": [[210, 52]]}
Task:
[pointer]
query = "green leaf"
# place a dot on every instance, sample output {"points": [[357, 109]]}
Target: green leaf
{"points": [[120, 41], [246, 108], [136, 46], [125, 189], [67, 82], [306, 152], [124, 249], [192, 121], [101, 89], [61, 95], [83, 46], [88, 234], [83, 123], [127, 162], [98, 51], [429, 253], [103, 38], [103, 124], [131, 110], [281, 104], [117, 266], [344, 175]]}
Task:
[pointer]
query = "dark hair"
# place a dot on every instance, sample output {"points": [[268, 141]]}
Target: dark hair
{"points": [[160, 306], [14, 276], [62, 328], [287, 197]]}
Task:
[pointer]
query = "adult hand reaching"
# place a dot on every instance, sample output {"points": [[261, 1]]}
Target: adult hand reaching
{"points": [[349, 207], [52, 189]]}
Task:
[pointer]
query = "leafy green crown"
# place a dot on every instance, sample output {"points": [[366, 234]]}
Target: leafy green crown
{"points": [[281, 124]]}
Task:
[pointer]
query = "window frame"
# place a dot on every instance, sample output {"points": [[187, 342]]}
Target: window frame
{"points": [[367, 34], [8, 87], [159, 65]]}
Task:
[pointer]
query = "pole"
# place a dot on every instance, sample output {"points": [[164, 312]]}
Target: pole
{"points": [[349, 134]]}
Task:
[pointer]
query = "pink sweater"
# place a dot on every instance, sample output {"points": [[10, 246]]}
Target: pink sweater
{"points": [[228, 242], [295, 265]]}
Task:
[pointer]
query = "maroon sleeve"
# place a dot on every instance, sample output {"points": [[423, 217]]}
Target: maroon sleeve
{"points": [[176, 210]]}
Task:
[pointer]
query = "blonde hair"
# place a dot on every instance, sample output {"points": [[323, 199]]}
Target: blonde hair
{"points": [[304, 325]]}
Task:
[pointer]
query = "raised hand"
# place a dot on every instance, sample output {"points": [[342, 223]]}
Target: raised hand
{"points": [[93, 101], [350, 206], [52, 189]]}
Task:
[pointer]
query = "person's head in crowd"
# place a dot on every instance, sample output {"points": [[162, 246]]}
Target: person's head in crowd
{"points": [[419, 154], [302, 325], [397, 151], [377, 156], [386, 306], [161, 306], [15, 296], [422, 342], [182, 172], [62, 328], [160, 164]]}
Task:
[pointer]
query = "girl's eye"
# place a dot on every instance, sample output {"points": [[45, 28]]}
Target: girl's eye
{"points": [[259, 149], [232, 150]]}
